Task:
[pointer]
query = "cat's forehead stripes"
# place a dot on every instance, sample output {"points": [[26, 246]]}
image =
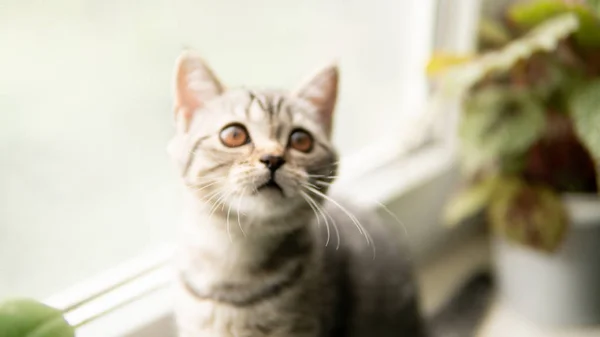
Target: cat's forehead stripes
{"points": [[255, 111], [269, 107], [269, 104]]}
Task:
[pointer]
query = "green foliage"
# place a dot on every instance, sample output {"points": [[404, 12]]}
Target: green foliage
{"points": [[531, 114], [499, 122], [493, 33], [552, 79], [530, 14], [469, 201], [529, 215], [594, 5], [585, 112], [460, 77], [29, 318]]}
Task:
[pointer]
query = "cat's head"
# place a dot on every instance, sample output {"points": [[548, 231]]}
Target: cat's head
{"points": [[254, 151]]}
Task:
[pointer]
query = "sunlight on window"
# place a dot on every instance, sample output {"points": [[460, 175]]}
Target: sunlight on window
{"points": [[86, 110]]}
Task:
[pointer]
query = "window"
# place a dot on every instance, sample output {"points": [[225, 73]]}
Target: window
{"points": [[86, 116]]}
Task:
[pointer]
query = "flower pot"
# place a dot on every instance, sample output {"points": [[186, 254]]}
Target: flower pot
{"points": [[559, 289]]}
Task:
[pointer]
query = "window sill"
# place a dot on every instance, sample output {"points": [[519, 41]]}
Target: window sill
{"points": [[135, 295]]}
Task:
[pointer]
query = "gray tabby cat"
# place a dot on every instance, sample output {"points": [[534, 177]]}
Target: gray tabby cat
{"points": [[265, 250]]}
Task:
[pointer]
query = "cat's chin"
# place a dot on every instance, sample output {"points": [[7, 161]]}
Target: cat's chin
{"points": [[271, 188], [267, 202]]}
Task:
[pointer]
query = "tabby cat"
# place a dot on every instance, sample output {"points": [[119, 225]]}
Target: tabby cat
{"points": [[265, 251]]}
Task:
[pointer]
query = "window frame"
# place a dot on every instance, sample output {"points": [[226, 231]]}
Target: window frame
{"points": [[102, 305]]}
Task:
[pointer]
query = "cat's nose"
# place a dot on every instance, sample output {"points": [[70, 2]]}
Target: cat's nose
{"points": [[272, 162]]}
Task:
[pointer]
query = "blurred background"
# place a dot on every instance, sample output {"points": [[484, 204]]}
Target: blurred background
{"points": [[455, 112], [85, 101]]}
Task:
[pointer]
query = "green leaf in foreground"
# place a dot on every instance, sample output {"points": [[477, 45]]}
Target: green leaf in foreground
{"points": [[29, 318], [469, 201], [594, 5], [531, 13], [585, 110], [533, 216], [498, 122]]}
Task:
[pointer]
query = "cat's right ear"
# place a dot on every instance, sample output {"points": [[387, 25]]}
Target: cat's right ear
{"points": [[195, 85]]}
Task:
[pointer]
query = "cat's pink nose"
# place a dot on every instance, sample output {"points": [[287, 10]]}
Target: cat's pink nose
{"points": [[272, 162]]}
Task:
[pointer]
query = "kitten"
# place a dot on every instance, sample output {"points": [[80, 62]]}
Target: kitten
{"points": [[265, 251]]}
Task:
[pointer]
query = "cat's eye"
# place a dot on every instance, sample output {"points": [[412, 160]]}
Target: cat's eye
{"points": [[234, 135], [301, 140]]}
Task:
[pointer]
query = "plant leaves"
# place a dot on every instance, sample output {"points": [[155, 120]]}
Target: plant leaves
{"points": [[530, 215], [469, 201], [585, 110], [543, 38], [492, 33], [499, 122], [29, 318], [594, 5], [440, 62], [532, 13], [559, 159]]}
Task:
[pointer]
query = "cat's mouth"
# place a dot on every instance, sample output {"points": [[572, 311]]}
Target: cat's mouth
{"points": [[271, 185]]}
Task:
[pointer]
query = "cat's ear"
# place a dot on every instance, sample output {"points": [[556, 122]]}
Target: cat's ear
{"points": [[321, 90], [195, 85]]}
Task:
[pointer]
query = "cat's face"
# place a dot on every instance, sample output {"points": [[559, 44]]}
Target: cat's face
{"points": [[261, 153]]}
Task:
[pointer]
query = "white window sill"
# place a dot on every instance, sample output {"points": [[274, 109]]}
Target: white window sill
{"points": [[149, 315], [136, 294]]}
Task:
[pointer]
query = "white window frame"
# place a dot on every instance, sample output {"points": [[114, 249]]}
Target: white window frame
{"points": [[133, 299]]}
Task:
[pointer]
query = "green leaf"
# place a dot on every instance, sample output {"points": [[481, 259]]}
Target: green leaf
{"points": [[543, 38], [469, 201], [499, 122], [530, 14], [493, 33], [594, 5], [585, 110], [29, 318], [533, 216], [551, 79]]}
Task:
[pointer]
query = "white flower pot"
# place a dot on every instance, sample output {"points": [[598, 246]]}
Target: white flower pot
{"points": [[561, 289]]}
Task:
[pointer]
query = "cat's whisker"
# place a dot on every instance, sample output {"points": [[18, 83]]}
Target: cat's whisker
{"points": [[322, 180], [310, 201], [334, 164], [228, 227], [312, 185], [200, 179], [223, 203], [335, 227], [324, 211], [388, 211], [238, 211], [220, 201], [207, 198], [213, 204], [306, 197], [322, 183], [353, 218], [323, 176], [202, 187]]}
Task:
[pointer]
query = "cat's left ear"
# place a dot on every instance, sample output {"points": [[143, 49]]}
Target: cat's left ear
{"points": [[321, 91], [195, 85]]}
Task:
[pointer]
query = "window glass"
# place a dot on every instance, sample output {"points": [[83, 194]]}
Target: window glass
{"points": [[85, 109]]}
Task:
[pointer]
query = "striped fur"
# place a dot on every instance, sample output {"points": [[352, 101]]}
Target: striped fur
{"points": [[258, 261]]}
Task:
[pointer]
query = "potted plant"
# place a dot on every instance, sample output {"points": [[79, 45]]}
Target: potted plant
{"points": [[530, 153]]}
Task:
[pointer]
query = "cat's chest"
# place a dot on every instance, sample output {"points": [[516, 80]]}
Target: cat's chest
{"points": [[269, 319]]}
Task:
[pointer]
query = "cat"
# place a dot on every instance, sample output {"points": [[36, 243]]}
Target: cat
{"points": [[265, 251]]}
